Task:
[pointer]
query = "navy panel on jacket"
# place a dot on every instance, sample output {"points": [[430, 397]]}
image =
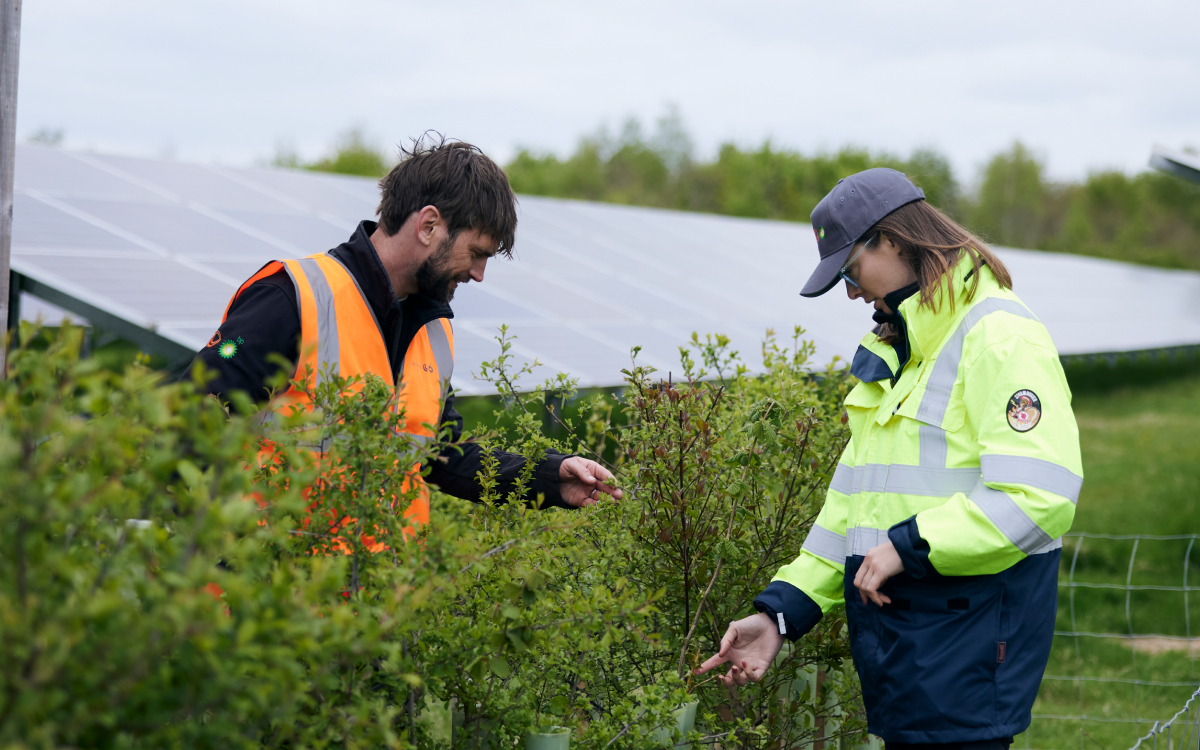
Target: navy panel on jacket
{"points": [[799, 611], [954, 658], [869, 367]]}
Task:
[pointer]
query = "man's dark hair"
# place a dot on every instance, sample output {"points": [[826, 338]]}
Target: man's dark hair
{"points": [[469, 189]]}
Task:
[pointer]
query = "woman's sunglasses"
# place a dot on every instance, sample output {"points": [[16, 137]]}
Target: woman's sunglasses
{"points": [[845, 272]]}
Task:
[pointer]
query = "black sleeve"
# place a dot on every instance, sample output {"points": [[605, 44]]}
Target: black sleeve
{"points": [[264, 319], [456, 469]]}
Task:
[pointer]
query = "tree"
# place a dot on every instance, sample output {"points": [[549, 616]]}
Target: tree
{"points": [[1011, 206]]}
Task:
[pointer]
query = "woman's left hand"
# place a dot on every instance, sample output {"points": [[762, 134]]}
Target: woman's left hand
{"points": [[880, 564]]}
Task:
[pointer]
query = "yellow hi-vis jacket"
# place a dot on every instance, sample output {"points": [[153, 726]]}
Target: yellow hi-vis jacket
{"points": [[968, 461]]}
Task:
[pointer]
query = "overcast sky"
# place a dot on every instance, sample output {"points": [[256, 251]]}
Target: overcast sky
{"points": [[1088, 85]]}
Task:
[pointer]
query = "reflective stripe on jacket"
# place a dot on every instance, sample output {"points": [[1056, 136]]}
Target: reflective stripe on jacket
{"points": [[967, 459], [340, 334]]}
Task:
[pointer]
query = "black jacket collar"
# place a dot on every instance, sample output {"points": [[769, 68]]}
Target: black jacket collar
{"points": [[399, 322], [360, 258]]}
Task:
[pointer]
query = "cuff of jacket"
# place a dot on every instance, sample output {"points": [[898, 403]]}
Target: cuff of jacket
{"points": [[800, 612], [548, 480], [913, 550]]}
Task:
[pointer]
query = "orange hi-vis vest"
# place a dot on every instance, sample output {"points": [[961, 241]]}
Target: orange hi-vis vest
{"points": [[339, 333]]}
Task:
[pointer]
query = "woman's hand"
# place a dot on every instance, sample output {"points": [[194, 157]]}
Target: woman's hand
{"points": [[581, 481], [880, 564], [751, 644]]}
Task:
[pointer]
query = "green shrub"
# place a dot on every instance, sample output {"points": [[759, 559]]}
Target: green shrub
{"points": [[123, 500], [174, 575], [724, 473]]}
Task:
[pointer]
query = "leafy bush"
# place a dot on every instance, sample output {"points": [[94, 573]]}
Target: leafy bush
{"points": [[724, 473], [121, 498], [174, 575]]}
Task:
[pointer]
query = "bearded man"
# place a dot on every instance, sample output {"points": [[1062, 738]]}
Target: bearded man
{"points": [[379, 304]]}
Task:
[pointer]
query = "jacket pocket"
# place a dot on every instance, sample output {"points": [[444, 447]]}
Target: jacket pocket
{"points": [[936, 654], [935, 407]]}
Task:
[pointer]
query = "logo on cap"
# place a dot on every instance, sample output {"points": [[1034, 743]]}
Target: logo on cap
{"points": [[820, 232]]}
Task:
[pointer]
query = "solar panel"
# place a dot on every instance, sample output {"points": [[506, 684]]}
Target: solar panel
{"points": [[154, 249]]}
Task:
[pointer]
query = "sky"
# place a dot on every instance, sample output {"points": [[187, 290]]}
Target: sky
{"points": [[1088, 85]]}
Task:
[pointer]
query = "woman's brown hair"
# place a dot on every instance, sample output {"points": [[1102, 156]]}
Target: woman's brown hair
{"points": [[933, 243]]}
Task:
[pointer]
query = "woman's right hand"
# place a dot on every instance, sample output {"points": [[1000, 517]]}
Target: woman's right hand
{"points": [[750, 645]]}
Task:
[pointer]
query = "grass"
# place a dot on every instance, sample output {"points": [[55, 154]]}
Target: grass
{"points": [[1141, 457]]}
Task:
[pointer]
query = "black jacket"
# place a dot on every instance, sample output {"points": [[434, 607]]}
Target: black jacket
{"points": [[265, 319]]}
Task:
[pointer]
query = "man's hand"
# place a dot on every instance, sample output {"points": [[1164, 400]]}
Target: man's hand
{"points": [[750, 644], [582, 482], [880, 564]]}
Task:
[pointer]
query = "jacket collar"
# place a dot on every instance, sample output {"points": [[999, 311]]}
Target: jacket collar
{"points": [[927, 331], [362, 261]]}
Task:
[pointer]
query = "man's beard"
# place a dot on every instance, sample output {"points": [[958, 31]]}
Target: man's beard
{"points": [[433, 275]]}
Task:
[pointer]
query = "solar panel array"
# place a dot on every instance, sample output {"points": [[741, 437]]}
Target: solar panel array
{"points": [[164, 245]]}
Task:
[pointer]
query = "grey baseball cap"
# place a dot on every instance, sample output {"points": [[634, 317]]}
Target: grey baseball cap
{"points": [[854, 205]]}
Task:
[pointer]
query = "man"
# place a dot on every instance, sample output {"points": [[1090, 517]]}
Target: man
{"points": [[378, 303]]}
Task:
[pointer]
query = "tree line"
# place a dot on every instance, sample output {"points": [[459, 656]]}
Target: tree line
{"points": [[1149, 217]]}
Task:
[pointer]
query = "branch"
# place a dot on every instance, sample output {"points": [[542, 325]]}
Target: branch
{"points": [[511, 542], [626, 728], [699, 609]]}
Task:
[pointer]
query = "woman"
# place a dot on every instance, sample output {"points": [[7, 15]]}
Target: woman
{"points": [[941, 531]]}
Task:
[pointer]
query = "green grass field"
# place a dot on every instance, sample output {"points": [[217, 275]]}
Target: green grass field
{"points": [[1141, 456]]}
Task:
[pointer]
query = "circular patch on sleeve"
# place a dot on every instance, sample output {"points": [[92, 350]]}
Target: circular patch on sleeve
{"points": [[1024, 410], [227, 350]]}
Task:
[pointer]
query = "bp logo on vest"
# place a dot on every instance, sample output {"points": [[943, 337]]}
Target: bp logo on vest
{"points": [[1024, 410]]}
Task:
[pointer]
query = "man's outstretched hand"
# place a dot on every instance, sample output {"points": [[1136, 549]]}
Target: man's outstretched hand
{"points": [[750, 645], [582, 481]]}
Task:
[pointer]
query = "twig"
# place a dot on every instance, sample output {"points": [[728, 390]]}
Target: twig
{"points": [[20, 545], [511, 542], [626, 728], [717, 572]]}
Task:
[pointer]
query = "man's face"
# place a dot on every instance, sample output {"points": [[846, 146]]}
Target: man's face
{"points": [[456, 260]]}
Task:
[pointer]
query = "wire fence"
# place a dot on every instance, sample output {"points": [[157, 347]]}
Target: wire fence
{"points": [[1188, 729], [1124, 655]]}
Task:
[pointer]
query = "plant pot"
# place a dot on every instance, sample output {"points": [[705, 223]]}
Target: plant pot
{"points": [[685, 719], [548, 738]]}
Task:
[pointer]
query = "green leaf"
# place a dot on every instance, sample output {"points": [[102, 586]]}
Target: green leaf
{"points": [[192, 476], [500, 667]]}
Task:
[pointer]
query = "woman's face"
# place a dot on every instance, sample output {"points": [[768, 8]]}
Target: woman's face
{"points": [[879, 270]]}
